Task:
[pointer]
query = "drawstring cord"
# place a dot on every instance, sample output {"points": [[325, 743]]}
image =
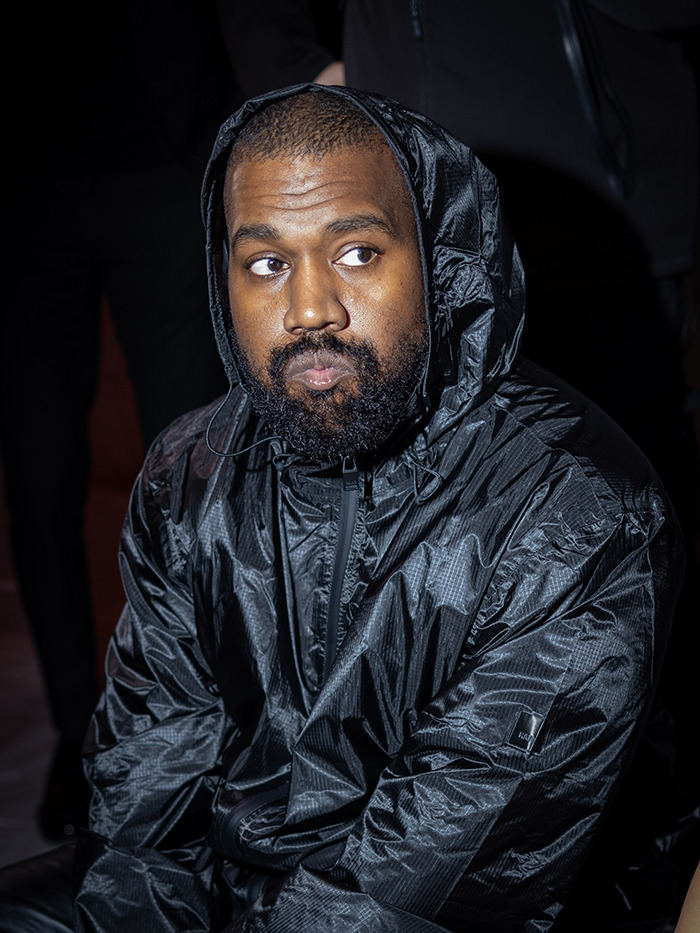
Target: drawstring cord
{"points": [[434, 485], [236, 453], [218, 453]]}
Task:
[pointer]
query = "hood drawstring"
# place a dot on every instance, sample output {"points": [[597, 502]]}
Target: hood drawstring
{"points": [[433, 486], [235, 453], [218, 453]]}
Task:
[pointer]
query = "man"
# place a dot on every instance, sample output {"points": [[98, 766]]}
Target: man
{"points": [[394, 615]]}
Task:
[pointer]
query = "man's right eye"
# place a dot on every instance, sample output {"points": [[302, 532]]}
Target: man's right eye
{"points": [[267, 266]]}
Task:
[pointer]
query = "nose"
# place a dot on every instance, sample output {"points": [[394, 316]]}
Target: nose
{"points": [[314, 302]]}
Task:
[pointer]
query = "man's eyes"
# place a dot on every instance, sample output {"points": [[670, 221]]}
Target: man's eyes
{"points": [[269, 266]]}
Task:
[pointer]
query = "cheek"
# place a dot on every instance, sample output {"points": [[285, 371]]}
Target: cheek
{"points": [[403, 308], [253, 324]]}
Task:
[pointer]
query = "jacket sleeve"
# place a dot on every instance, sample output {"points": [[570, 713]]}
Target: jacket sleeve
{"points": [[152, 752], [494, 799]]}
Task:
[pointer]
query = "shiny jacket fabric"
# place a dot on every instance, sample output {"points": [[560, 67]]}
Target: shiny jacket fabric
{"points": [[392, 696]]}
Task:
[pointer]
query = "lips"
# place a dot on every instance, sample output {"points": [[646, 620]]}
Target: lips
{"points": [[320, 369]]}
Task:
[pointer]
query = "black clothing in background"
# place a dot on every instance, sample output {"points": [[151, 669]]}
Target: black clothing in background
{"points": [[117, 86], [496, 74], [112, 113], [280, 45]]}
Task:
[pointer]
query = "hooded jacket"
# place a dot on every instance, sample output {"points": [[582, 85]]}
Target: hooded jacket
{"points": [[391, 698]]}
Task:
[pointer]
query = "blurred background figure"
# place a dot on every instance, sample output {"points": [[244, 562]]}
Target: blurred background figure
{"points": [[110, 124], [288, 42], [115, 112]]}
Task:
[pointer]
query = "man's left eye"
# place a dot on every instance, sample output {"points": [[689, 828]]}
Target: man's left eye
{"points": [[357, 256], [267, 266]]}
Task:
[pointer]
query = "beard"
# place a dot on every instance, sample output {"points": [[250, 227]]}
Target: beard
{"points": [[346, 420]]}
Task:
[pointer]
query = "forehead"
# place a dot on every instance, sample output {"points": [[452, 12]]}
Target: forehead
{"points": [[312, 189]]}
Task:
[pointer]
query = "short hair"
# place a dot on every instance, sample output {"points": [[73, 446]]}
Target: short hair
{"points": [[312, 124]]}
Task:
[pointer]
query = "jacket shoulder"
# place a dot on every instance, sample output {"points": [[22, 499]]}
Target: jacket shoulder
{"points": [[183, 465], [555, 421]]}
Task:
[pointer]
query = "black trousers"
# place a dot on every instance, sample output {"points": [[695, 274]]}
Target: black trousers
{"points": [[137, 239]]}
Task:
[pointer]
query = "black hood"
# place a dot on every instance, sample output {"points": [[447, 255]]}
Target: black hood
{"points": [[472, 272]]}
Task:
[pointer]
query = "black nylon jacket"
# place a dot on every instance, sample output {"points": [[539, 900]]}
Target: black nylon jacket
{"points": [[387, 698]]}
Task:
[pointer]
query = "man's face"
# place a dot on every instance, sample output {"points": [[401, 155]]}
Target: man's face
{"points": [[326, 292]]}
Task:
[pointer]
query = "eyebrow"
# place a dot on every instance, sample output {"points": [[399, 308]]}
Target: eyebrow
{"points": [[254, 232], [352, 224], [358, 222]]}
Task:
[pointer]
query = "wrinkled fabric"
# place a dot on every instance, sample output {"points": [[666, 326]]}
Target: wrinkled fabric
{"points": [[499, 606]]}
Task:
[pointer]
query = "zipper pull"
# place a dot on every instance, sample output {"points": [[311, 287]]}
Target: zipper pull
{"points": [[351, 476], [369, 482]]}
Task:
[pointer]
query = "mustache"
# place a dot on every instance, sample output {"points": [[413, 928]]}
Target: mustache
{"points": [[325, 350]]}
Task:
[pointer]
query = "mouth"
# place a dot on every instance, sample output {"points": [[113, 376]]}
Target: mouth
{"points": [[320, 370]]}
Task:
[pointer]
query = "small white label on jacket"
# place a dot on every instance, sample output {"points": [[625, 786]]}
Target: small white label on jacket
{"points": [[526, 730]]}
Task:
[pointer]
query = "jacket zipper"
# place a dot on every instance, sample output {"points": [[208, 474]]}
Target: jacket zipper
{"points": [[348, 514]]}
